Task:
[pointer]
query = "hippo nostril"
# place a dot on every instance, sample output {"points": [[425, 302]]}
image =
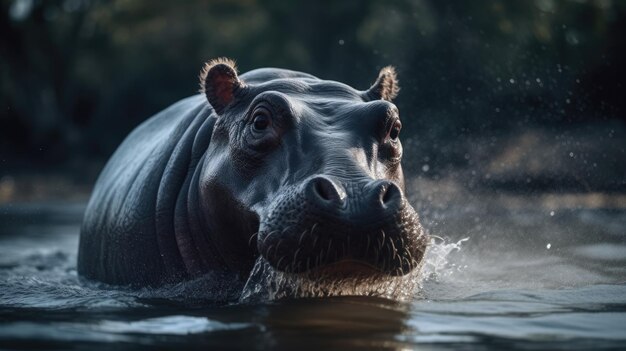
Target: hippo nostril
{"points": [[326, 190], [389, 194], [386, 194], [322, 189]]}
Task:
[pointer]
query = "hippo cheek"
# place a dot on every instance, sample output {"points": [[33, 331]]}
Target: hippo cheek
{"points": [[309, 231], [231, 224]]}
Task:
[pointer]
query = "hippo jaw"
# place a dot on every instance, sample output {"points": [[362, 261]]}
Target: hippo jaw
{"points": [[318, 246], [320, 229]]}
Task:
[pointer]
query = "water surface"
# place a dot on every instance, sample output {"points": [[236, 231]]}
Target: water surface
{"points": [[525, 273]]}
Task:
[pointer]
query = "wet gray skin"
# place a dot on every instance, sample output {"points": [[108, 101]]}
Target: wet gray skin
{"points": [[302, 171]]}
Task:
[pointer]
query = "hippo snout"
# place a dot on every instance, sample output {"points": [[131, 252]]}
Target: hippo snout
{"points": [[326, 221], [366, 203]]}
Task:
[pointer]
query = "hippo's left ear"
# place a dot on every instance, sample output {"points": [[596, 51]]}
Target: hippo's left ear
{"points": [[220, 83], [386, 86]]}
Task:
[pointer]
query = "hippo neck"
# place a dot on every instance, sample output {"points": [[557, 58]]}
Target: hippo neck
{"points": [[195, 248], [179, 226]]}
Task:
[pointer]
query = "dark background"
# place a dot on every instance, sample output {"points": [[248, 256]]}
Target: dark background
{"points": [[517, 96]]}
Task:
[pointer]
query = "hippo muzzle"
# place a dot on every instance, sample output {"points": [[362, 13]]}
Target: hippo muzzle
{"points": [[343, 227]]}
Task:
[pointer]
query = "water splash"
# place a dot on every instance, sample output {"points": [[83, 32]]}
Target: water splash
{"points": [[437, 261]]}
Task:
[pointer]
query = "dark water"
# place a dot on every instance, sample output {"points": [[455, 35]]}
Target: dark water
{"points": [[533, 274]]}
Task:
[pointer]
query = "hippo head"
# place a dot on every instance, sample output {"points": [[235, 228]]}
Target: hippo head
{"points": [[306, 173]]}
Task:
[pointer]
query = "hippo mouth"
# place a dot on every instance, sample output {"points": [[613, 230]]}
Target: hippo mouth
{"points": [[346, 268], [306, 236], [320, 250], [345, 277]]}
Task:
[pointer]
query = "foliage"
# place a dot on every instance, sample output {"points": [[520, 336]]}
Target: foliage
{"points": [[78, 75]]}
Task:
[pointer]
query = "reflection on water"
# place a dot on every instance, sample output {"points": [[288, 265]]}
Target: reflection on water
{"points": [[509, 274], [169, 325]]}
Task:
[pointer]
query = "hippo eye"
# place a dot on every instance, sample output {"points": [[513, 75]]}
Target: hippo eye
{"points": [[394, 133], [261, 120]]}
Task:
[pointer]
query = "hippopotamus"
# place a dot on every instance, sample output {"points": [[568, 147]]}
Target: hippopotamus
{"points": [[302, 172]]}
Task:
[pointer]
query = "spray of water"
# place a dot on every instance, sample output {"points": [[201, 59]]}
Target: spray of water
{"points": [[437, 261], [266, 284]]}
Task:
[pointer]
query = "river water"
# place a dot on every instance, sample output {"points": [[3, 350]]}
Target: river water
{"points": [[503, 271]]}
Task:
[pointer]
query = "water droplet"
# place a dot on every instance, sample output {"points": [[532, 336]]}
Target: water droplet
{"points": [[341, 42], [425, 168], [551, 213]]}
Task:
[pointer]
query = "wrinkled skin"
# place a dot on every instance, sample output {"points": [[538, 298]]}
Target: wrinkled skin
{"points": [[302, 171]]}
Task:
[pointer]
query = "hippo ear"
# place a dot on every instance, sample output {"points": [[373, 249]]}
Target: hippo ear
{"points": [[220, 83], [386, 86]]}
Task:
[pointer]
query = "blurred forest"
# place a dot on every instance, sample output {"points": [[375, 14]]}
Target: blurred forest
{"points": [[513, 94]]}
